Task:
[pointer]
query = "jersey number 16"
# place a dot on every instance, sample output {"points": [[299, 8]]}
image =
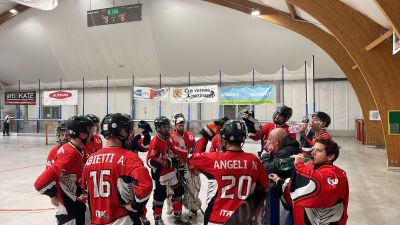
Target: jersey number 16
{"points": [[102, 187]]}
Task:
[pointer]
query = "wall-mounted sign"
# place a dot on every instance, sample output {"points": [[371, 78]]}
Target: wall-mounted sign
{"points": [[146, 93], [64, 97], [194, 94], [20, 98], [394, 122], [246, 95], [374, 115]]}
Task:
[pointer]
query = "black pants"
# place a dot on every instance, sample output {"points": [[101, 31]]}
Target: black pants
{"points": [[6, 129]]}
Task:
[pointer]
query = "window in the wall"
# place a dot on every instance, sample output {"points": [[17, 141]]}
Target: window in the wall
{"points": [[51, 112]]}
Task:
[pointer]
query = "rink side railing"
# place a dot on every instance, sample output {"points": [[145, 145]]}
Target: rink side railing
{"points": [[37, 127]]}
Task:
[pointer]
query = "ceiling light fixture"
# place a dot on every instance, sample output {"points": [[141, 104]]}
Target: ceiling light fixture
{"points": [[255, 12], [13, 11]]}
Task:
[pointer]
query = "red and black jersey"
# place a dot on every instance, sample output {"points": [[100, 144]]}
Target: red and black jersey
{"points": [[233, 176], [159, 151], [52, 156], [63, 178], [266, 130], [92, 146], [215, 143], [115, 176], [323, 135], [317, 195]]}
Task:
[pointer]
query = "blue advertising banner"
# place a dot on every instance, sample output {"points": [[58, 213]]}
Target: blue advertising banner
{"points": [[246, 95]]}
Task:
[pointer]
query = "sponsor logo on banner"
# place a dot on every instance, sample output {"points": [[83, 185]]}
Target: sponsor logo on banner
{"points": [[65, 97], [60, 95], [20, 98], [374, 115], [246, 95], [146, 93], [195, 94]]}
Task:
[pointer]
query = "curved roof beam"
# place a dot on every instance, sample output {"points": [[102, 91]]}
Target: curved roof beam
{"points": [[390, 9], [380, 69], [374, 132], [7, 15]]}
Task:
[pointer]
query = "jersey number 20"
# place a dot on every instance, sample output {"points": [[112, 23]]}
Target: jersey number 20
{"points": [[101, 188], [232, 184]]}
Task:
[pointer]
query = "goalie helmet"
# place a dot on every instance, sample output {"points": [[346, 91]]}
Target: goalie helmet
{"points": [[116, 125], [234, 131], [178, 118]]}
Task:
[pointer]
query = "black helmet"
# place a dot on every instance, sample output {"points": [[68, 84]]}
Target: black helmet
{"points": [[234, 131], [113, 125], [284, 111], [77, 125], [221, 121], [324, 117], [159, 121], [93, 118], [178, 118], [61, 127]]}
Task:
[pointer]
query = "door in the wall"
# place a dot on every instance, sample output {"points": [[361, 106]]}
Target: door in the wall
{"points": [[51, 112]]}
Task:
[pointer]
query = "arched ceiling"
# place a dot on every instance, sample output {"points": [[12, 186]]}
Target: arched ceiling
{"points": [[175, 37]]}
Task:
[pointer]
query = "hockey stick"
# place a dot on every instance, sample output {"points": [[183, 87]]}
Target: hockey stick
{"points": [[185, 185]]}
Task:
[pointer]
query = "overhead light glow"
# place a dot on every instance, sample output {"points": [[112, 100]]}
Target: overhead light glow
{"points": [[255, 12], [13, 11]]}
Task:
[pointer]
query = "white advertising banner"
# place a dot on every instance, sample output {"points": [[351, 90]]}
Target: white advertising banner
{"points": [[146, 93], [194, 94], [64, 97], [374, 115]]}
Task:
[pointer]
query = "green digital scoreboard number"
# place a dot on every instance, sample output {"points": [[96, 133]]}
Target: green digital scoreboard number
{"points": [[394, 122], [119, 14]]}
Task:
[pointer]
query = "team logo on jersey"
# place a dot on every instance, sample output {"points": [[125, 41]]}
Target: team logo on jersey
{"points": [[332, 181], [153, 152], [191, 137]]}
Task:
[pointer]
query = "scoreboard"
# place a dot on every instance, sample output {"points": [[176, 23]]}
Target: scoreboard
{"points": [[119, 14]]}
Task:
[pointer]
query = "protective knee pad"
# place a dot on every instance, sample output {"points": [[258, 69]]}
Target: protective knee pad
{"points": [[160, 194], [178, 191]]}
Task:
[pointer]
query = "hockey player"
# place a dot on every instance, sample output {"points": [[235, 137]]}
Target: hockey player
{"points": [[163, 159], [280, 117], [95, 143], [138, 144], [62, 138], [117, 182], [216, 141], [62, 180], [186, 140], [318, 191], [319, 122], [233, 174]]}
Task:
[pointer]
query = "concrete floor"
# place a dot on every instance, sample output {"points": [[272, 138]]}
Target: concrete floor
{"points": [[374, 195]]}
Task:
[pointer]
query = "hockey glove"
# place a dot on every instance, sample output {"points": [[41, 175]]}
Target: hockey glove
{"points": [[251, 123], [210, 130], [145, 126], [133, 143], [146, 139], [173, 162]]}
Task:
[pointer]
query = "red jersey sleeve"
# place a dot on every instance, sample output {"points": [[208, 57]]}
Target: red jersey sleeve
{"points": [[153, 158], [203, 161], [142, 181], [215, 143]]}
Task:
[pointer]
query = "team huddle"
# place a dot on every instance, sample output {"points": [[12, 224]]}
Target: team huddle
{"points": [[94, 184]]}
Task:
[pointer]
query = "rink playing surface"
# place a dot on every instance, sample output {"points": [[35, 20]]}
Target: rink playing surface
{"points": [[374, 195]]}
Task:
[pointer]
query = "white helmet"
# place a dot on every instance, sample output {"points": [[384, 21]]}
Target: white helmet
{"points": [[178, 118]]}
